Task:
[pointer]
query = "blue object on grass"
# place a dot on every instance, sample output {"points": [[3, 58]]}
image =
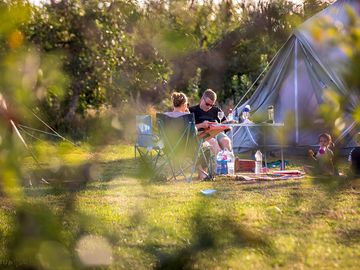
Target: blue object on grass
{"points": [[277, 163], [208, 192]]}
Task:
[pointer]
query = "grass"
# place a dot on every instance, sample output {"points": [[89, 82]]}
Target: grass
{"points": [[294, 224]]}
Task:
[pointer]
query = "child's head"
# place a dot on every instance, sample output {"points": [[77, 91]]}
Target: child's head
{"points": [[325, 140]]}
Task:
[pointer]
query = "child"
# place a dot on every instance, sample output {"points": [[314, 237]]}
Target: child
{"points": [[245, 115], [323, 158], [354, 157]]}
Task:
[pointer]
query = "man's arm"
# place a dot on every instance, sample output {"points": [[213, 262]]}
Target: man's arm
{"points": [[204, 125]]}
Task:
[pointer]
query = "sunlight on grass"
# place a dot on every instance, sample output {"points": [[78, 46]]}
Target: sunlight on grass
{"points": [[266, 225], [115, 152], [62, 152]]}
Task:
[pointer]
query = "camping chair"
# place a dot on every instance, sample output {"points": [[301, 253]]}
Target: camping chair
{"points": [[181, 146], [147, 143]]}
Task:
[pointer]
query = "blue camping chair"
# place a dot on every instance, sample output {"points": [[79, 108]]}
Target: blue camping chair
{"points": [[147, 144], [181, 147]]}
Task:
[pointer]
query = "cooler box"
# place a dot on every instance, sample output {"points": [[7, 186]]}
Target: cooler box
{"points": [[244, 165]]}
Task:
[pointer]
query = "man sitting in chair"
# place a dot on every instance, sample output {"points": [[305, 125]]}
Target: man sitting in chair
{"points": [[206, 113]]}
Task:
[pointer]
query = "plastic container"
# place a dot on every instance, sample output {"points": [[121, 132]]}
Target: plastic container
{"points": [[222, 162], [224, 167], [230, 116], [258, 162], [218, 162], [231, 163], [271, 114]]}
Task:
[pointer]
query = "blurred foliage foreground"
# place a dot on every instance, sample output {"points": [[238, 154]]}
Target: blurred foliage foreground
{"points": [[121, 222]]}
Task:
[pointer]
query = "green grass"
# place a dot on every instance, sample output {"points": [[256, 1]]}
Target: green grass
{"points": [[293, 224]]}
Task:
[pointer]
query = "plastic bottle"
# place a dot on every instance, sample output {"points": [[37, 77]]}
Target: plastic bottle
{"points": [[230, 116], [231, 163], [219, 158], [224, 161], [258, 162], [271, 114]]}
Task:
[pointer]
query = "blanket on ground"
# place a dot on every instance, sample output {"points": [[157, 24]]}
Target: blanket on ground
{"points": [[273, 176]]}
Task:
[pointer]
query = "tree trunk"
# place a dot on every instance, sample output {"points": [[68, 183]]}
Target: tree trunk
{"points": [[73, 104]]}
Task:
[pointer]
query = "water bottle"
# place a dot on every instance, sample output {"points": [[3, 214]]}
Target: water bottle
{"points": [[258, 162], [224, 168], [224, 161], [271, 114], [230, 116], [231, 163], [219, 158]]}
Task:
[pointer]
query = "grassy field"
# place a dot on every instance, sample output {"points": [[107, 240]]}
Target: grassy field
{"points": [[293, 224]]}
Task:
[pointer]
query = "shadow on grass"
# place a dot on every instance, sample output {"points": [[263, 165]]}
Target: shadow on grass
{"points": [[144, 169], [211, 234], [93, 176], [105, 171], [348, 237], [332, 184], [119, 168]]}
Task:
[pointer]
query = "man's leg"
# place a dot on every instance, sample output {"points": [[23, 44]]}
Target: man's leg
{"points": [[213, 149], [225, 142], [214, 146]]}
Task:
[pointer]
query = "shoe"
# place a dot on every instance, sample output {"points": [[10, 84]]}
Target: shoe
{"points": [[202, 175]]}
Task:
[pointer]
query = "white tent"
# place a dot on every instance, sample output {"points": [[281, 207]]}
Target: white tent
{"points": [[296, 81]]}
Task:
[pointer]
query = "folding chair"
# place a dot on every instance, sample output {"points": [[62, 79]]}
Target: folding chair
{"points": [[147, 144], [181, 146]]}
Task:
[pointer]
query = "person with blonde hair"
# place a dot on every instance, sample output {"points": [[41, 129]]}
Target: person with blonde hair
{"points": [[180, 105]]}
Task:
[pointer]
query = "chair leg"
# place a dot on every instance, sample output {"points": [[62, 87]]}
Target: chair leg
{"points": [[209, 162]]}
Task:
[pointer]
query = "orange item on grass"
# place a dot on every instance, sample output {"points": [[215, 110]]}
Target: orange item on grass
{"points": [[288, 172]]}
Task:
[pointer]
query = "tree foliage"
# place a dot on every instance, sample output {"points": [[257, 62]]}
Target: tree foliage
{"points": [[117, 52]]}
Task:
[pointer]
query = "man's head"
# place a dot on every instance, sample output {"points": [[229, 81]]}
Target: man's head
{"points": [[208, 100]]}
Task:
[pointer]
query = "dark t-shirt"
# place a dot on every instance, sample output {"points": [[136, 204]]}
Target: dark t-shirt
{"points": [[210, 115], [354, 157]]}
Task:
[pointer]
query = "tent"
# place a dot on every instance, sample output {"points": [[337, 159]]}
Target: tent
{"points": [[296, 82]]}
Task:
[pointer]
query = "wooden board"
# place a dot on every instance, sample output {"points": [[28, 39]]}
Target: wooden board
{"points": [[212, 131]]}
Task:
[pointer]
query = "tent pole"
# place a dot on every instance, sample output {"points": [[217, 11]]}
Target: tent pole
{"points": [[296, 92], [258, 77]]}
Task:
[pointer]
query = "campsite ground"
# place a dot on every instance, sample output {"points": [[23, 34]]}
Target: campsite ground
{"points": [[293, 224]]}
